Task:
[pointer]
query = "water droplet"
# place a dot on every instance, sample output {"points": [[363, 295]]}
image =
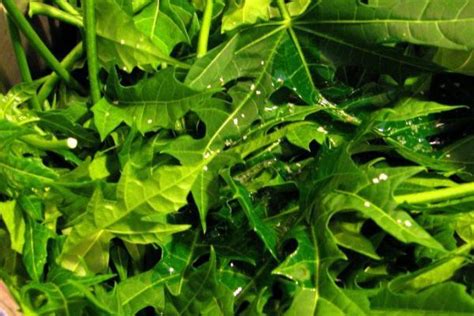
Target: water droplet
{"points": [[399, 221], [408, 223], [258, 92], [262, 62], [245, 137], [107, 114], [367, 204], [457, 84], [122, 42], [124, 68], [205, 168], [71, 142], [209, 86], [375, 180], [383, 177], [149, 121], [46, 189], [294, 89], [236, 121], [252, 87], [322, 130], [170, 269], [221, 79], [115, 102], [448, 156], [231, 264], [242, 115], [280, 80], [206, 155], [237, 291], [228, 142]]}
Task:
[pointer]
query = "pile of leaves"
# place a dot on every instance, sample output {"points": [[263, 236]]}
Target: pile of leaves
{"points": [[241, 158]]}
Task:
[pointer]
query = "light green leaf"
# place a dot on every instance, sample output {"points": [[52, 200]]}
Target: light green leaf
{"points": [[201, 293], [456, 60], [348, 235], [424, 22], [245, 12], [35, 250], [465, 227], [253, 213], [13, 218], [411, 108], [158, 101], [445, 299], [121, 43], [302, 134], [160, 23]]}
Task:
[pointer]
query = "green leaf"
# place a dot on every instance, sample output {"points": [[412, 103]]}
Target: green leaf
{"points": [[465, 227], [444, 299], [13, 218], [201, 293], [425, 22], [456, 60], [21, 173], [162, 25], [348, 235], [245, 12], [304, 133], [307, 267], [128, 48], [162, 192], [158, 101], [35, 249], [253, 213], [411, 108]]}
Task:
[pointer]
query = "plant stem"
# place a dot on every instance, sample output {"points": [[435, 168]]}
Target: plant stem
{"points": [[66, 6], [74, 55], [458, 191], [38, 8], [44, 144], [205, 29], [38, 44], [284, 10], [22, 61], [91, 49]]}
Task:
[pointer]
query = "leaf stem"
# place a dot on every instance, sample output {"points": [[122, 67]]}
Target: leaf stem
{"points": [[38, 8], [38, 44], [458, 191], [205, 29], [66, 6], [22, 61], [44, 144], [74, 55], [284, 10], [91, 49]]}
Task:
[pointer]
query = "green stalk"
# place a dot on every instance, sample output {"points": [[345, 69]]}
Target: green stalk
{"points": [[38, 44], [74, 55], [205, 29], [91, 49], [44, 144], [22, 61], [284, 10], [433, 196], [38, 8], [65, 6]]}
